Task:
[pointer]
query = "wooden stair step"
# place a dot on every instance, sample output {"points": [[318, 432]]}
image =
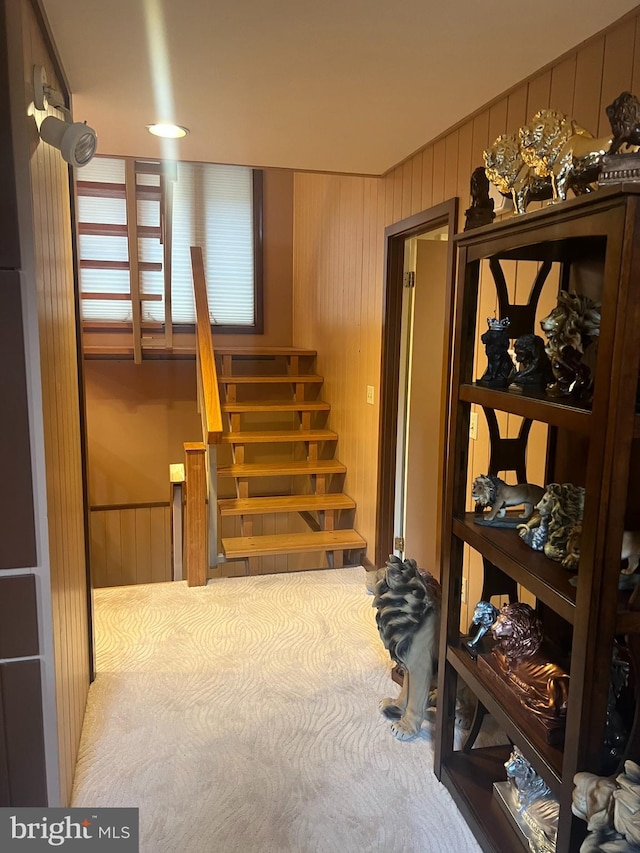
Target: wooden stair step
{"points": [[279, 436], [266, 351], [292, 543], [276, 406], [285, 503], [282, 469], [272, 379]]}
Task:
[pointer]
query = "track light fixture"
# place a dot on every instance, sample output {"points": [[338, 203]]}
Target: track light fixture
{"points": [[76, 141]]}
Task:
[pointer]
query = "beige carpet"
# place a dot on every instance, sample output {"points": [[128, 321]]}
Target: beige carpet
{"points": [[242, 716]]}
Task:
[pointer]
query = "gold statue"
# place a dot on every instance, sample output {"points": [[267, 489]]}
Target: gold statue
{"points": [[556, 146]]}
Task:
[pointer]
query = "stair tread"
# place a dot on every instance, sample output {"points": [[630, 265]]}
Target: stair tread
{"points": [[282, 469], [285, 503], [277, 406], [290, 543], [300, 351], [272, 379], [278, 435]]}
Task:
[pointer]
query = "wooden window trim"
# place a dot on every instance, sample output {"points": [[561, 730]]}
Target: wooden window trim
{"points": [[118, 191], [258, 261]]}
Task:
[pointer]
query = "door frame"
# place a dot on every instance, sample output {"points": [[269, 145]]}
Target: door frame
{"points": [[395, 235]]}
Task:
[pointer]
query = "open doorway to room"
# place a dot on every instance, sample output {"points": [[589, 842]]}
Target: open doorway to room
{"points": [[415, 384]]}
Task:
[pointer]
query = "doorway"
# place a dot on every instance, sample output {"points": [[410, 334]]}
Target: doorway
{"points": [[415, 378]]}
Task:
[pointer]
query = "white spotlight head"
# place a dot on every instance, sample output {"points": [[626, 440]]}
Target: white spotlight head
{"points": [[77, 142]]}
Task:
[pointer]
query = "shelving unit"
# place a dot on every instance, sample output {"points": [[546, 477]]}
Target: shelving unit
{"points": [[594, 243]]}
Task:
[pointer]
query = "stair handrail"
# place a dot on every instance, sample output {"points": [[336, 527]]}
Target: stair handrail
{"points": [[202, 543], [205, 359]]}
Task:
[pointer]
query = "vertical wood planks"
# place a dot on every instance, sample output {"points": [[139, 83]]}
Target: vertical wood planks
{"points": [[617, 72], [197, 517], [56, 307], [586, 95], [131, 545], [335, 297], [563, 81]]}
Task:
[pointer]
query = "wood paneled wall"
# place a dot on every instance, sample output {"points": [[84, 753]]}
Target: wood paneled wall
{"points": [[130, 545], [138, 418], [339, 239], [338, 258], [49, 295]]}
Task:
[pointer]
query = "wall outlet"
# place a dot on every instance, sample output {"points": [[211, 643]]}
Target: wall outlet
{"points": [[473, 426], [370, 392]]}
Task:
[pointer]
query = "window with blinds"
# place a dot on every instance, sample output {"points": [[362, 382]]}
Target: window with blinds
{"points": [[207, 205]]}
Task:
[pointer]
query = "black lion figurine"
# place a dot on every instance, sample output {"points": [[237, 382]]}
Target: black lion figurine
{"points": [[624, 118]]}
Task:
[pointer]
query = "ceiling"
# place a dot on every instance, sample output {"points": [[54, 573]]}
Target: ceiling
{"points": [[336, 85]]}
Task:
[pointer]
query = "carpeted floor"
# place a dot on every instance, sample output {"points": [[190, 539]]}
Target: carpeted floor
{"points": [[243, 716]]}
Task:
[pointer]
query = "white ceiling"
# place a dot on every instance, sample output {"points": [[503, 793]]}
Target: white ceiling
{"points": [[337, 85]]}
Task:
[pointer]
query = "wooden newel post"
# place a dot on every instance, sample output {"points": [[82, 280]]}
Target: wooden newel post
{"points": [[197, 515]]}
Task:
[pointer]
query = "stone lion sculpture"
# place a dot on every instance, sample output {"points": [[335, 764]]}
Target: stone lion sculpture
{"points": [[487, 490], [506, 169], [562, 506], [611, 808], [407, 600], [572, 325], [557, 147], [630, 550]]}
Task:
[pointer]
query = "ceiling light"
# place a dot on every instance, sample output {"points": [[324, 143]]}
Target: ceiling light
{"points": [[76, 141], [168, 131]]}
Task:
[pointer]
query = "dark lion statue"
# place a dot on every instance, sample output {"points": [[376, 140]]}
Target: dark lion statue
{"points": [[534, 367], [624, 118]]}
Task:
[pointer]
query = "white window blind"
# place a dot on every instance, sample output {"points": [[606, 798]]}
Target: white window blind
{"points": [[212, 208]]}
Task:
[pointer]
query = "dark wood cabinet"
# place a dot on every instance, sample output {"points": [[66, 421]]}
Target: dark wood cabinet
{"points": [[592, 244]]}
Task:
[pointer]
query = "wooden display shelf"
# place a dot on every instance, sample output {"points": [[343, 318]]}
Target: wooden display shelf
{"points": [[544, 234], [546, 579], [594, 243], [470, 778], [546, 759], [537, 406]]}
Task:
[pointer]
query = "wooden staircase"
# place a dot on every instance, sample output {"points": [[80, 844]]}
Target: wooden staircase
{"points": [[280, 466]]}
